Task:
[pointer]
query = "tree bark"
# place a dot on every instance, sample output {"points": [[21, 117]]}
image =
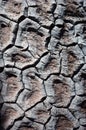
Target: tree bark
{"points": [[43, 64]]}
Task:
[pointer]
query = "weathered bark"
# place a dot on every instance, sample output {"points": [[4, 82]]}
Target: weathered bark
{"points": [[43, 64]]}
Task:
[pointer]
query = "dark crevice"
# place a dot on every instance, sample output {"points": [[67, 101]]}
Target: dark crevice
{"points": [[52, 9], [26, 11], [47, 41], [70, 45], [5, 16], [83, 104], [10, 74], [68, 21], [51, 27], [80, 22], [75, 128], [33, 18], [70, 101], [57, 81], [19, 94], [77, 70], [3, 24], [1, 69], [47, 120], [83, 75], [19, 106], [36, 62], [66, 75], [11, 125], [21, 19], [34, 30], [15, 31], [33, 120], [48, 38], [8, 47], [9, 66], [57, 74], [36, 104]]}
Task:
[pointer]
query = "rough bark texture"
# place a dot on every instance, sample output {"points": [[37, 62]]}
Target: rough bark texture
{"points": [[43, 64]]}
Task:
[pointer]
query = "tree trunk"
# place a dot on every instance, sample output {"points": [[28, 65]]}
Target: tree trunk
{"points": [[43, 64]]}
